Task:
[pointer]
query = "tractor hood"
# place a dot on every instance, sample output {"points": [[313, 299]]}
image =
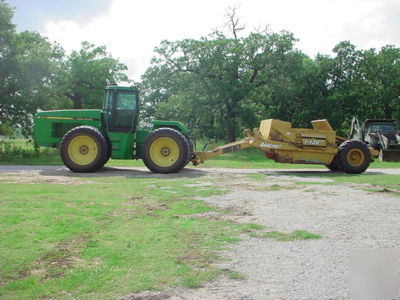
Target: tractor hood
{"points": [[50, 126], [71, 114]]}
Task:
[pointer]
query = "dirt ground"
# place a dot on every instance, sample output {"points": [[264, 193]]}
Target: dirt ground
{"points": [[348, 217]]}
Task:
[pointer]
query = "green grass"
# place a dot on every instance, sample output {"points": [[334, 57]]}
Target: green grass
{"points": [[19, 151], [253, 226], [381, 183], [107, 238], [390, 182], [235, 275], [374, 179], [295, 235]]}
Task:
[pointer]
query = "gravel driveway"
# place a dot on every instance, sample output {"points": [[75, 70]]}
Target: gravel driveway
{"points": [[346, 215]]}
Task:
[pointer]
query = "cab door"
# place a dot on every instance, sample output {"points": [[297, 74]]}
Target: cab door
{"points": [[121, 110]]}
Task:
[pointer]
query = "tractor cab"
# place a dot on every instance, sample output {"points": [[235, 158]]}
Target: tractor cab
{"points": [[121, 108]]}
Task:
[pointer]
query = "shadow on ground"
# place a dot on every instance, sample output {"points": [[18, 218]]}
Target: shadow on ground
{"points": [[142, 172], [122, 172]]}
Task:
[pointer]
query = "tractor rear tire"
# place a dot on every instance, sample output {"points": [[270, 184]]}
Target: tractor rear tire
{"points": [[84, 149], [109, 150], [166, 150], [353, 157], [334, 165]]}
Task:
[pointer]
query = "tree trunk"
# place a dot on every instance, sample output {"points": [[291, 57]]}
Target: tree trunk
{"points": [[230, 134], [77, 99], [230, 118]]}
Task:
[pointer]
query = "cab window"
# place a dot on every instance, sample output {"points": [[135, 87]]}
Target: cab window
{"points": [[126, 101], [108, 103]]}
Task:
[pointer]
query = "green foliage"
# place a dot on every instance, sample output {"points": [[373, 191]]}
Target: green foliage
{"points": [[6, 129], [206, 82], [22, 151], [86, 74], [7, 31], [29, 65], [219, 85], [38, 67], [35, 74]]}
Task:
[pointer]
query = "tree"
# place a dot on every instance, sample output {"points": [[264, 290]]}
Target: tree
{"points": [[7, 33], [363, 83], [7, 62], [29, 67], [380, 83], [34, 75], [86, 74], [215, 75]]}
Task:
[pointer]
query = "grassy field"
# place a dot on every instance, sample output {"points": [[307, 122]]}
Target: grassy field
{"points": [[22, 152], [106, 237]]}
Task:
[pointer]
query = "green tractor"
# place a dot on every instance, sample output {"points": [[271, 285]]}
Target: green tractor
{"points": [[88, 138]]}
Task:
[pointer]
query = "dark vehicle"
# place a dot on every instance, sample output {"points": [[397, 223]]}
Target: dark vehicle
{"points": [[381, 135]]}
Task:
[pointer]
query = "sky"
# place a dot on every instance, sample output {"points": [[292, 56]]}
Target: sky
{"points": [[131, 29]]}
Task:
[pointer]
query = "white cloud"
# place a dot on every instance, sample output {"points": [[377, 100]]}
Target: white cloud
{"points": [[131, 29]]}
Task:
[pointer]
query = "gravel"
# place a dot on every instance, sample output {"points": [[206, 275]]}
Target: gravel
{"points": [[347, 217]]}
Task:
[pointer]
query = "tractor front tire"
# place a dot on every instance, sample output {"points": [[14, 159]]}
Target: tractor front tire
{"points": [[84, 149], [353, 157], [166, 150]]}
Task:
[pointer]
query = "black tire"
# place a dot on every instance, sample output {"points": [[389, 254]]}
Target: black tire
{"points": [[353, 157], [190, 152], [168, 158], [91, 143], [109, 150], [334, 165]]}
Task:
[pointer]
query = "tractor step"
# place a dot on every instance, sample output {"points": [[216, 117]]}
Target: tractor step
{"points": [[122, 145]]}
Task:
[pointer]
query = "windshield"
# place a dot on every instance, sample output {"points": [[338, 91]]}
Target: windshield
{"points": [[382, 128]]}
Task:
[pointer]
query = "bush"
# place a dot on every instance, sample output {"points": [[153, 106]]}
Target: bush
{"points": [[11, 149]]}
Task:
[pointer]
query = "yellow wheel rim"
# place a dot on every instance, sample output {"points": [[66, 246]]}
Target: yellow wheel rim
{"points": [[355, 157], [82, 150], [164, 152]]}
